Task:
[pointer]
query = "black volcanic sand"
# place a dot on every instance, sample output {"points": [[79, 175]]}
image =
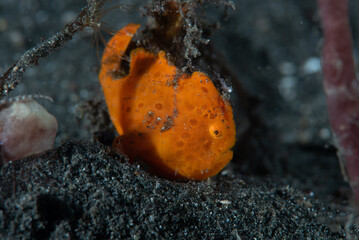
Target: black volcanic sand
{"points": [[80, 189]]}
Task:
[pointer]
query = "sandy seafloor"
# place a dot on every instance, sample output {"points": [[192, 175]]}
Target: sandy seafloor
{"points": [[80, 190]]}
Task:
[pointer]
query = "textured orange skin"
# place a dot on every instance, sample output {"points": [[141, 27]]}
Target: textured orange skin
{"points": [[178, 124]]}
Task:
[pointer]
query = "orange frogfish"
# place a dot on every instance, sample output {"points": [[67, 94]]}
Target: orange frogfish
{"points": [[178, 124]]}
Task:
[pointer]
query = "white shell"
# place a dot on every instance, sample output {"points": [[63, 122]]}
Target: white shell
{"points": [[26, 128]]}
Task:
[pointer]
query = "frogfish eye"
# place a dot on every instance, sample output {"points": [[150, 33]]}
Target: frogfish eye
{"points": [[215, 131]]}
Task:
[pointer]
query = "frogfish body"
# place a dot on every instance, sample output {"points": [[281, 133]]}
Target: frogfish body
{"points": [[178, 124]]}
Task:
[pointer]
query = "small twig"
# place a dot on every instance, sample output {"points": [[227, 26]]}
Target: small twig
{"points": [[87, 17]]}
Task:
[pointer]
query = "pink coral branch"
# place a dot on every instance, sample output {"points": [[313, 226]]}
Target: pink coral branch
{"points": [[341, 85]]}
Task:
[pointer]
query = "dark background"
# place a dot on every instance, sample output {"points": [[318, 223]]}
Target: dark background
{"points": [[271, 47]]}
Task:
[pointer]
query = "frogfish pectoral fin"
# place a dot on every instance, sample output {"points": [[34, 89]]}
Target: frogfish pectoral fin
{"points": [[110, 63]]}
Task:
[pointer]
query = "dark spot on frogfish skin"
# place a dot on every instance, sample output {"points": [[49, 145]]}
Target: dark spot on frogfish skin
{"points": [[118, 73], [158, 106], [168, 124]]}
